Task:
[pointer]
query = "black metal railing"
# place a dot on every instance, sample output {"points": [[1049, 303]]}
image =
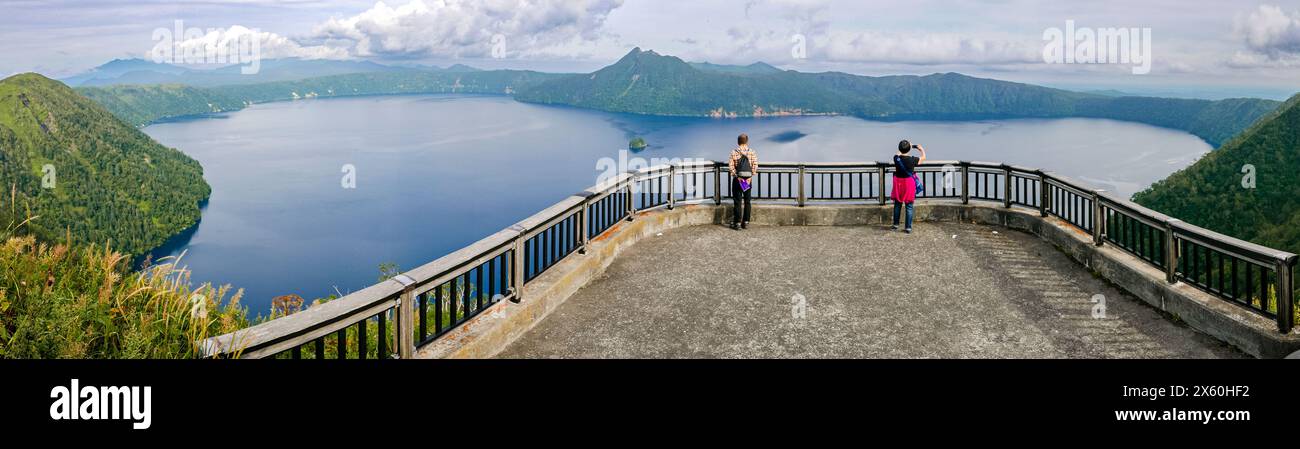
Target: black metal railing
{"points": [[454, 301], [396, 317]]}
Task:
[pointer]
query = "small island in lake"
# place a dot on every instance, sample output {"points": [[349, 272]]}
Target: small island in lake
{"points": [[636, 144]]}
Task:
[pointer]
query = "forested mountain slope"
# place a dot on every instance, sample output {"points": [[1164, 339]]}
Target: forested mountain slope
{"points": [[1210, 192], [107, 180]]}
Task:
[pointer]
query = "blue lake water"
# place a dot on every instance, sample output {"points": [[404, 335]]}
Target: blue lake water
{"points": [[436, 172]]}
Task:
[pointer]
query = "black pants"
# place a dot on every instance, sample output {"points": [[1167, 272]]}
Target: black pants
{"points": [[736, 196]]}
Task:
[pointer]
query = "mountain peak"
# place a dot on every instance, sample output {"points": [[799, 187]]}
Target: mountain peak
{"points": [[757, 68], [638, 53], [32, 79], [639, 60]]}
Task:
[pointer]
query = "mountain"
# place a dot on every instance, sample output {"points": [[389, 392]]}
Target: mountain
{"points": [[140, 105], [138, 68], [757, 68], [138, 71], [460, 68], [1110, 93], [1210, 194], [434, 68], [646, 82], [110, 182], [500, 82], [145, 104], [290, 69]]}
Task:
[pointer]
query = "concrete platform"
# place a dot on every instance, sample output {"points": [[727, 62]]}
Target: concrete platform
{"points": [[968, 291]]}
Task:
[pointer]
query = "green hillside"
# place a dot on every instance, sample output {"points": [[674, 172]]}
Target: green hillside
{"points": [[140, 105], [649, 83], [111, 181], [387, 83], [646, 82], [1209, 193]]}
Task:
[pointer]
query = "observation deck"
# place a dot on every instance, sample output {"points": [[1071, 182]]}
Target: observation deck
{"points": [[1006, 262]]}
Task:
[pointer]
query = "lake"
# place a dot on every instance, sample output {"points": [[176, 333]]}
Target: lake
{"points": [[434, 173]]}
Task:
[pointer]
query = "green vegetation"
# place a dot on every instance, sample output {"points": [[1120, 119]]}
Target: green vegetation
{"points": [[1210, 194], [58, 301], [636, 144], [78, 179], [140, 105], [1214, 192], [86, 176], [648, 83]]}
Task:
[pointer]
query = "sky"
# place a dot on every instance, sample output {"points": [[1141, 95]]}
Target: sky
{"points": [[1205, 48]]}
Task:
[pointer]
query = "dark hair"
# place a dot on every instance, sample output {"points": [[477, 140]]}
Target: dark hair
{"points": [[743, 139], [904, 147]]}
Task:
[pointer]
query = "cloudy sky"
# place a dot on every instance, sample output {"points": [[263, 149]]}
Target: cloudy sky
{"points": [[1198, 47]]}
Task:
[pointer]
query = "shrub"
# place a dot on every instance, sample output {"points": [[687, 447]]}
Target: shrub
{"points": [[58, 301]]}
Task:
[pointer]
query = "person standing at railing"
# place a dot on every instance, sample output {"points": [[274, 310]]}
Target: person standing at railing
{"points": [[904, 194], [743, 166]]}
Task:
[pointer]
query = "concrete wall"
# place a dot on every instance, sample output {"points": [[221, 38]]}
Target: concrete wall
{"points": [[487, 334]]}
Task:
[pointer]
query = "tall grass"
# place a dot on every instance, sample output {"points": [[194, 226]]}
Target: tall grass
{"points": [[58, 301]]}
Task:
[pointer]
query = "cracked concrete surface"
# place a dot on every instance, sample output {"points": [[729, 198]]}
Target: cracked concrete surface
{"points": [[949, 290]]}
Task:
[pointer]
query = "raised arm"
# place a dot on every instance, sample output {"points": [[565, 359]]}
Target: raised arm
{"points": [[922, 150]]}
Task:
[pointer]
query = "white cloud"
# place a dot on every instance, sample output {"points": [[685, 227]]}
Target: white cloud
{"points": [[271, 45], [437, 29], [1271, 36], [1251, 60], [927, 49], [771, 35], [465, 28]]}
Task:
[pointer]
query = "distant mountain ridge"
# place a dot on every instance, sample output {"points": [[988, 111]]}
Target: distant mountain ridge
{"points": [[144, 104], [757, 68], [645, 82], [139, 71]]}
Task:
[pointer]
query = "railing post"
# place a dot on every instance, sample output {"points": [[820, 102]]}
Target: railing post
{"points": [[965, 182], [880, 183], [672, 191], [584, 223], [1171, 252], [517, 266], [717, 184], [405, 318], [1098, 219], [1285, 302], [1006, 186], [1042, 194], [802, 197], [631, 194]]}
